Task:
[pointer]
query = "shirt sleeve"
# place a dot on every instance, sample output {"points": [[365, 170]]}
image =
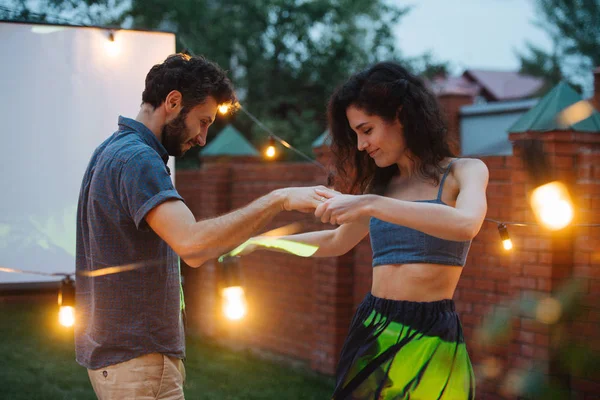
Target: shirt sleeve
{"points": [[144, 184]]}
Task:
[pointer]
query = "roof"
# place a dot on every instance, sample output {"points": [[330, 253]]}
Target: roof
{"points": [[453, 85], [505, 85], [229, 142], [498, 107], [547, 115], [323, 140]]}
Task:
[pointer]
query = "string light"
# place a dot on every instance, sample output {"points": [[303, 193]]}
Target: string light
{"points": [[66, 303], [234, 299], [111, 46], [506, 242], [224, 108], [504, 224], [234, 303], [272, 136], [552, 206], [575, 113], [270, 152]]}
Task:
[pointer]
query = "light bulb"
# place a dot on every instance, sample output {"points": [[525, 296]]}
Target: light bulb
{"points": [[506, 242], [111, 46], [234, 303], [66, 316], [270, 152], [551, 205], [224, 108]]}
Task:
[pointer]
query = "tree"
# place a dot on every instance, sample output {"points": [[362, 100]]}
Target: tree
{"points": [[285, 56], [574, 29], [65, 12]]}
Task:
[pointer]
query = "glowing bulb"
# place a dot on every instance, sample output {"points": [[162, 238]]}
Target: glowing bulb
{"points": [[66, 302], [506, 242], [234, 303], [224, 108], [491, 367], [575, 113], [66, 316], [270, 151], [548, 311], [551, 204], [111, 46]]}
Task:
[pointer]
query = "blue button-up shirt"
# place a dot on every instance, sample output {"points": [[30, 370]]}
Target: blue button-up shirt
{"points": [[127, 314]]}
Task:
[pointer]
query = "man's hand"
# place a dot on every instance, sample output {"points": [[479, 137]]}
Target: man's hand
{"points": [[304, 199]]}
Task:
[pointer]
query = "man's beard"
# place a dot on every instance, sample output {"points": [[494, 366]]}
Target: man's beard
{"points": [[173, 134]]}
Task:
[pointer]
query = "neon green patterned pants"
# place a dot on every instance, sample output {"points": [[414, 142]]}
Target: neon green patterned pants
{"points": [[405, 350]]}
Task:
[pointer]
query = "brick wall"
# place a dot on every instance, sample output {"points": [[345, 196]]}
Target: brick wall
{"points": [[301, 308]]}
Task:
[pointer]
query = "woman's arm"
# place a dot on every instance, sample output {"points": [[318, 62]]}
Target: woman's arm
{"points": [[330, 243], [458, 223]]}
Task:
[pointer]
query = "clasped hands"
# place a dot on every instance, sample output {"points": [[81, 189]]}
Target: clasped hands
{"points": [[329, 205]]}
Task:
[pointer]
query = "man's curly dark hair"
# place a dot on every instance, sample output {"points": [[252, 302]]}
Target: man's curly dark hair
{"points": [[195, 77]]}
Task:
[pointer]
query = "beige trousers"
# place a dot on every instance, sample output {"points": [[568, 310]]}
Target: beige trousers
{"points": [[152, 376]]}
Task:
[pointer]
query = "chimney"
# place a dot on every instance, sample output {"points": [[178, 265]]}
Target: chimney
{"points": [[450, 104], [596, 96]]}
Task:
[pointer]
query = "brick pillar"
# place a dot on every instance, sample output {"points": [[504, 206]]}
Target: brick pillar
{"points": [[207, 193], [557, 253], [534, 267], [450, 105], [333, 308], [585, 325]]}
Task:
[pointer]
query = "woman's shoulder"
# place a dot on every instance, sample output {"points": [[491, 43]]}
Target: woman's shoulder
{"points": [[469, 167], [469, 163]]}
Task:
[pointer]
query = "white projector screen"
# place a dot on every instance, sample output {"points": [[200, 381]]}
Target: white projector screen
{"points": [[62, 90]]}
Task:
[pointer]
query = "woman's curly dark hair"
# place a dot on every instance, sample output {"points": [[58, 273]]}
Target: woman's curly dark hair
{"points": [[195, 77], [389, 91]]}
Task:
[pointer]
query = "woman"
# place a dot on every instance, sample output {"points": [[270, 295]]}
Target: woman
{"points": [[422, 207]]}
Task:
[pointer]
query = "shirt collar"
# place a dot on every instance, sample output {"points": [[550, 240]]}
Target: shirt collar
{"points": [[146, 134]]}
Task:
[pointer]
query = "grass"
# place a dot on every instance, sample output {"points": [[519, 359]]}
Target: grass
{"points": [[38, 362]]}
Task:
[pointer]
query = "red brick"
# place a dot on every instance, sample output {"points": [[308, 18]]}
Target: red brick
{"points": [[537, 271], [526, 337], [484, 284], [542, 340], [527, 351]]}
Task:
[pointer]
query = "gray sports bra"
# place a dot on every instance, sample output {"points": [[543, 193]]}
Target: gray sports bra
{"points": [[396, 244]]}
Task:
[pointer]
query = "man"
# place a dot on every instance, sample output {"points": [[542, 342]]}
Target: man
{"points": [[129, 333]]}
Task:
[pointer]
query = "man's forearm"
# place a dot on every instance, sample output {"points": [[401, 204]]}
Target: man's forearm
{"points": [[212, 237]]}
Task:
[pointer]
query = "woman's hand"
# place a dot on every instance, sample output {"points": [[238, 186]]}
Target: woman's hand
{"points": [[338, 209]]}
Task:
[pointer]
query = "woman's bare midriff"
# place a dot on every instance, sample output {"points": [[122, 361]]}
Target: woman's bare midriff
{"points": [[415, 282]]}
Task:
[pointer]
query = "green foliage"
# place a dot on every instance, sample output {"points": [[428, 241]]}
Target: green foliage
{"points": [[569, 357], [574, 29], [285, 57], [428, 67]]}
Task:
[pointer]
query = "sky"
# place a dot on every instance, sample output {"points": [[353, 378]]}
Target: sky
{"points": [[476, 34]]}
